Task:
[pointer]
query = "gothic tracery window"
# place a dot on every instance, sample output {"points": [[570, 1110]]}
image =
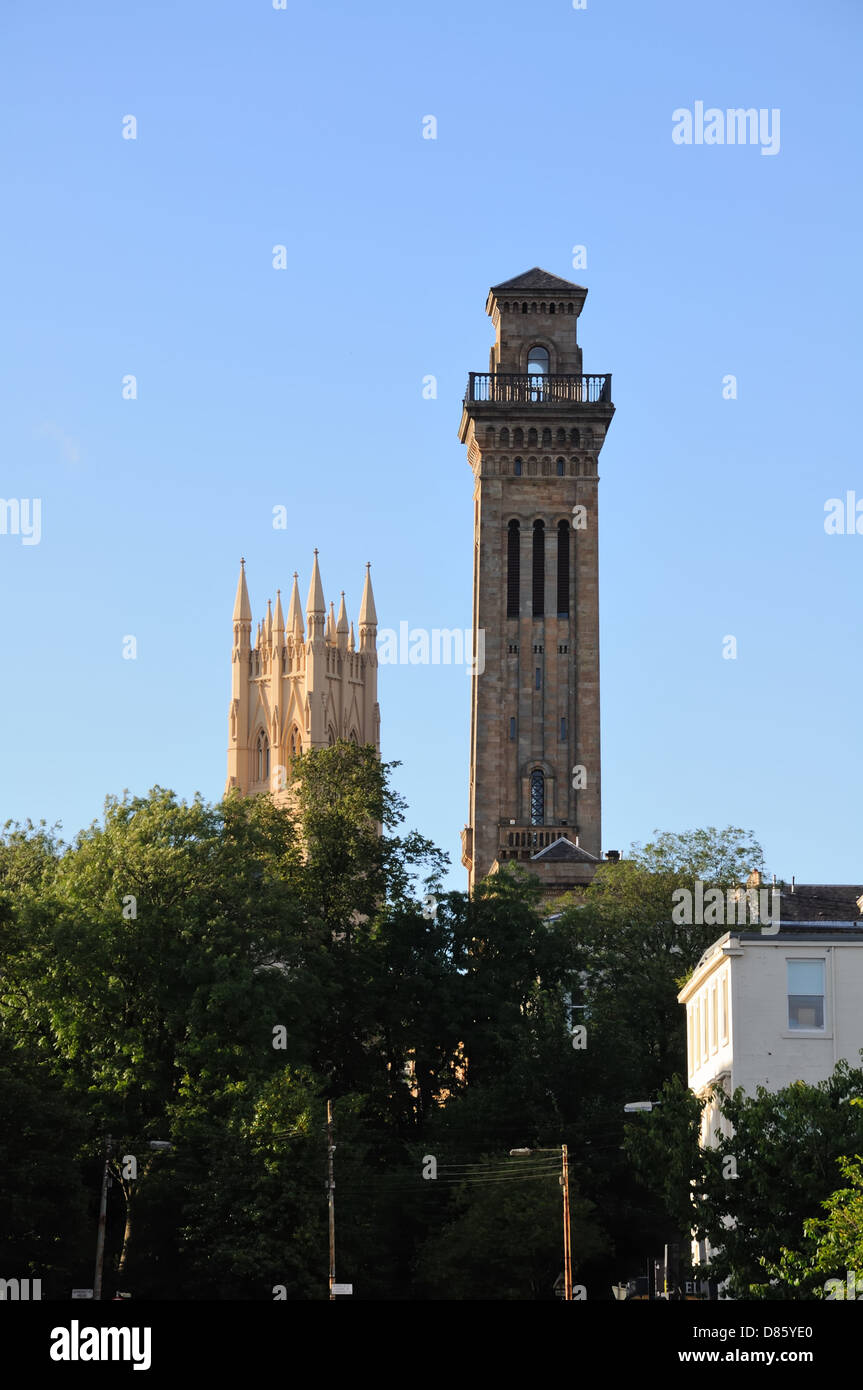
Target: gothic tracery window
{"points": [[262, 752]]}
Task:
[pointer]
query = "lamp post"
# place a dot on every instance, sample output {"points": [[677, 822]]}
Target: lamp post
{"points": [[567, 1225]]}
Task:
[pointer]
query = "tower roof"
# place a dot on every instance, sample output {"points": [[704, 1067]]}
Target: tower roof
{"points": [[342, 624], [537, 279], [242, 607], [295, 616], [315, 601], [368, 616]]}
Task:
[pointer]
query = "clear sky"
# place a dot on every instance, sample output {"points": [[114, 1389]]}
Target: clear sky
{"points": [[303, 387]]}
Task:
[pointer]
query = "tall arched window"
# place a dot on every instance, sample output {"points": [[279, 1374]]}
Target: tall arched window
{"points": [[513, 569], [563, 569], [539, 569], [537, 797], [296, 743], [537, 370], [262, 750]]}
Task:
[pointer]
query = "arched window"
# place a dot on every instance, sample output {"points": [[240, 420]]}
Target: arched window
{"points": [[518, 438], [504, 435], [331, 736], [531, 436], [537, 797], [563, 569], [574, 437], [561, 467], [538, 569], [516, 468], [296, 743], [262, 751], [513, 569], [546, 436], [354, 739], [537, 370]]}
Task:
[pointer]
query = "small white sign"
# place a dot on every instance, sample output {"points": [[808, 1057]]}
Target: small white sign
{"points": [[342, 1289], [82, 1293]]}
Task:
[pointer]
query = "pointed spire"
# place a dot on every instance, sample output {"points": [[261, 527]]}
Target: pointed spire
{"points": [[352, 646], [315, 601], [279, 620], [342, 625], [268, 622], [242, 607], [368, 616], [331, 625], [295, 613]]}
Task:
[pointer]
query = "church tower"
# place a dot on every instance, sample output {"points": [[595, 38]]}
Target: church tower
{"points": [[299, 687], [534, 425]]}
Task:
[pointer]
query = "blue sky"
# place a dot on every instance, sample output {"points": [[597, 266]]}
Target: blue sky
{"points": [[303, 387]]}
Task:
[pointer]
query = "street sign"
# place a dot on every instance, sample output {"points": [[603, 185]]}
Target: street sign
{"points": [[82, 1293], [342, 1289]]}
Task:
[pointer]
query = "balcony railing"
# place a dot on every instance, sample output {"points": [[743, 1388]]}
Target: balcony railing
{"points": [[532, 837], [506, 388]]}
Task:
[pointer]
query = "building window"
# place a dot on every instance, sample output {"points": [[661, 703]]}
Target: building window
{"points": [[513, 568], [539, 678], [539, 569], [512, 727], [723, 1017], [563, 569], [563, 728], [516, 468], [537, 361], [263, 756], [714, 1022], [806, 994], [537, 798], [537, 370], [561, 467]]}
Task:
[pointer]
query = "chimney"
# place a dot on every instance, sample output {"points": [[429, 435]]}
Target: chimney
{"points": [[613, 856], [793, 881]]}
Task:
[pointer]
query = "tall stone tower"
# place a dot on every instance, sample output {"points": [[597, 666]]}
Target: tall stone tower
{"points": [[534, 425], [298, 688]]}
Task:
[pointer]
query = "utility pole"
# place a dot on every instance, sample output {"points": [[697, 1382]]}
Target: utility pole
{"points": [[567, 1231], [103, 1207], [331, 1198]]}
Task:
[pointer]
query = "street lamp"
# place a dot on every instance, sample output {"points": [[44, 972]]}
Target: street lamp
{"points": [[567, 1231]]}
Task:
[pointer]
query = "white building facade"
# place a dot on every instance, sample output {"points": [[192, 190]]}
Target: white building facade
{"points": [[768, 1008]]}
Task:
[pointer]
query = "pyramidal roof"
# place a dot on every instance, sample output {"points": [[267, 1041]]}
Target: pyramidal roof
{"points": [[564, 850], [537, 279]]}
